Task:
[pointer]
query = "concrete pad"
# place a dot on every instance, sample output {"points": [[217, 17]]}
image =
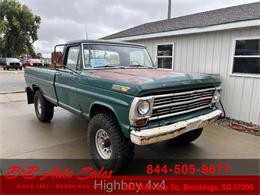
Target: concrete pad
{"points": [[214, 143], [16, 97], [14, 109], [12, 71], [72, 150], [4, 98], [11, 81], [23, 136], [12, 97], [77, 149]]}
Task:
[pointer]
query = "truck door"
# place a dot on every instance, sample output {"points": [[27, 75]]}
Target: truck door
{"points": [[67, 80]]}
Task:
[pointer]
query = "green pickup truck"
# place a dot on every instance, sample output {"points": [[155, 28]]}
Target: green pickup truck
{"points": [[126, 99]]}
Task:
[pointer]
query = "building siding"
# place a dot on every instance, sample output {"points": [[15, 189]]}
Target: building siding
{"points": [[212, 53]]}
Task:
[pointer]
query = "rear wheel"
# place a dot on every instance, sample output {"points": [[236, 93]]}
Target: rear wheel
{"points": [[7, 68], [188, 137], [108, 146], [43, 108]]}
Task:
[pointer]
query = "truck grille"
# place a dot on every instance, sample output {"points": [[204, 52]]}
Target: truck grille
{"points": [[14, 64], [173, 104], [37, 64]]}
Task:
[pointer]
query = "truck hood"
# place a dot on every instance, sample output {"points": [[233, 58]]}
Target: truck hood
{"points": [[150, 81]]}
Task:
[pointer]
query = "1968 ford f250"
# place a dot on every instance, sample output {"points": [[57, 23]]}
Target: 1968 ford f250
{"points": [[126, 98]]}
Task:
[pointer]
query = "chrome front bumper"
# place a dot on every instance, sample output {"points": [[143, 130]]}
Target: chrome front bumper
{"points": [[154, 135]]}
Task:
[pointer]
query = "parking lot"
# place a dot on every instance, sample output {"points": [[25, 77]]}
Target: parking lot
{"points": [[11, 81], [22, 136]]}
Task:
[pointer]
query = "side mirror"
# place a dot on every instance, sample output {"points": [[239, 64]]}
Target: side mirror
{"points": [[56, 59]]}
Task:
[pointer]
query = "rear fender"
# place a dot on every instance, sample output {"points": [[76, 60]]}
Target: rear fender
{"points": [[30, 95]]}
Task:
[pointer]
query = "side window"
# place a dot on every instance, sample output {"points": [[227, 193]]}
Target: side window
{"points": [[73, 57], [246, 59], [165, 56]]}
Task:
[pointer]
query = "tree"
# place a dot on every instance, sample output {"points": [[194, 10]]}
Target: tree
{"points": [[18, 29]]}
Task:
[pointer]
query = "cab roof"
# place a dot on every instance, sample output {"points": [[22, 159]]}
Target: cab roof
{"points": [[103, 42]]}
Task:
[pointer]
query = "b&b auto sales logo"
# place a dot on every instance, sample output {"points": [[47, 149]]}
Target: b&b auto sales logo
{"points": [[95, 180], [31, 172]]}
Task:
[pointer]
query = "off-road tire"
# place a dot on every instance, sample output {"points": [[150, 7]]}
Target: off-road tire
{"points": [[188, 137], [122, 148], [47, 108]]}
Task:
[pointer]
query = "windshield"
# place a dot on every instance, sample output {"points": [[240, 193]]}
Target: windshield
{"points": [[12, 60], [100, 56]]}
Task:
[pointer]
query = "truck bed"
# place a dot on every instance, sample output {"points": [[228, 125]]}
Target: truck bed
{"points": [[44, 77]]}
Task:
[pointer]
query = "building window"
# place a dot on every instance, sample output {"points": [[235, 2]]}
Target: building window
{"points": [[165, 56], [247, 57]]}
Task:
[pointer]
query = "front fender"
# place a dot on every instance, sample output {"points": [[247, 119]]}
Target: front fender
{"points": [[118, 103], [118, 114]]}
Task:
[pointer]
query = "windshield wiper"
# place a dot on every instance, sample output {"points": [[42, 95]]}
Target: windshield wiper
{"points": [[110, 66], [139, 65]]}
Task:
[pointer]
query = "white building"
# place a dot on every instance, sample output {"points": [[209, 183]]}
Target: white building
{"points": [[224, 41]]}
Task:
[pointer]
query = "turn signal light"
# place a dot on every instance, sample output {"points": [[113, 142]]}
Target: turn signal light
{"points": [[141, 122]]}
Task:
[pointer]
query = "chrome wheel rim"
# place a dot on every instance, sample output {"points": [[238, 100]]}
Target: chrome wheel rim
{"points": [[39, 106], [103, 144]]}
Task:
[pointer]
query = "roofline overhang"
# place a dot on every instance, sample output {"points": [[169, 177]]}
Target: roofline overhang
{"points": [[220, 27]]}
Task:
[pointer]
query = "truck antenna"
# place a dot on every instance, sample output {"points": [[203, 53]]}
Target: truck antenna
{"points": [[86, 31]]}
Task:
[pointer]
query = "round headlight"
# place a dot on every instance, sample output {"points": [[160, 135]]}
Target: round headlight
{"points": [[216, 96], [144, 107]]}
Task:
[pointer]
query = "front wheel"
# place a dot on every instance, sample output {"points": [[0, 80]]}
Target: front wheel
{"points": [[43, 108], [188, 137], [108, 146]]}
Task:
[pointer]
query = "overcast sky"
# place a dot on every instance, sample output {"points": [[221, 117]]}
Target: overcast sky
{"points": [[64, 20]]}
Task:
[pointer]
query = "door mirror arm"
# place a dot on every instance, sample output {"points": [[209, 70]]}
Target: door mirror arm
{"points": [[72, 71]]}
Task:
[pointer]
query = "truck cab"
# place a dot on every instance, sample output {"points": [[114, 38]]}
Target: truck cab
{"points": [[126, 98]]}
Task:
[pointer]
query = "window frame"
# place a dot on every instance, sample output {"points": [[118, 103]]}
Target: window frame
{"points": [[79, 58], [173, 53], [109, 44], [233, 49]]}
